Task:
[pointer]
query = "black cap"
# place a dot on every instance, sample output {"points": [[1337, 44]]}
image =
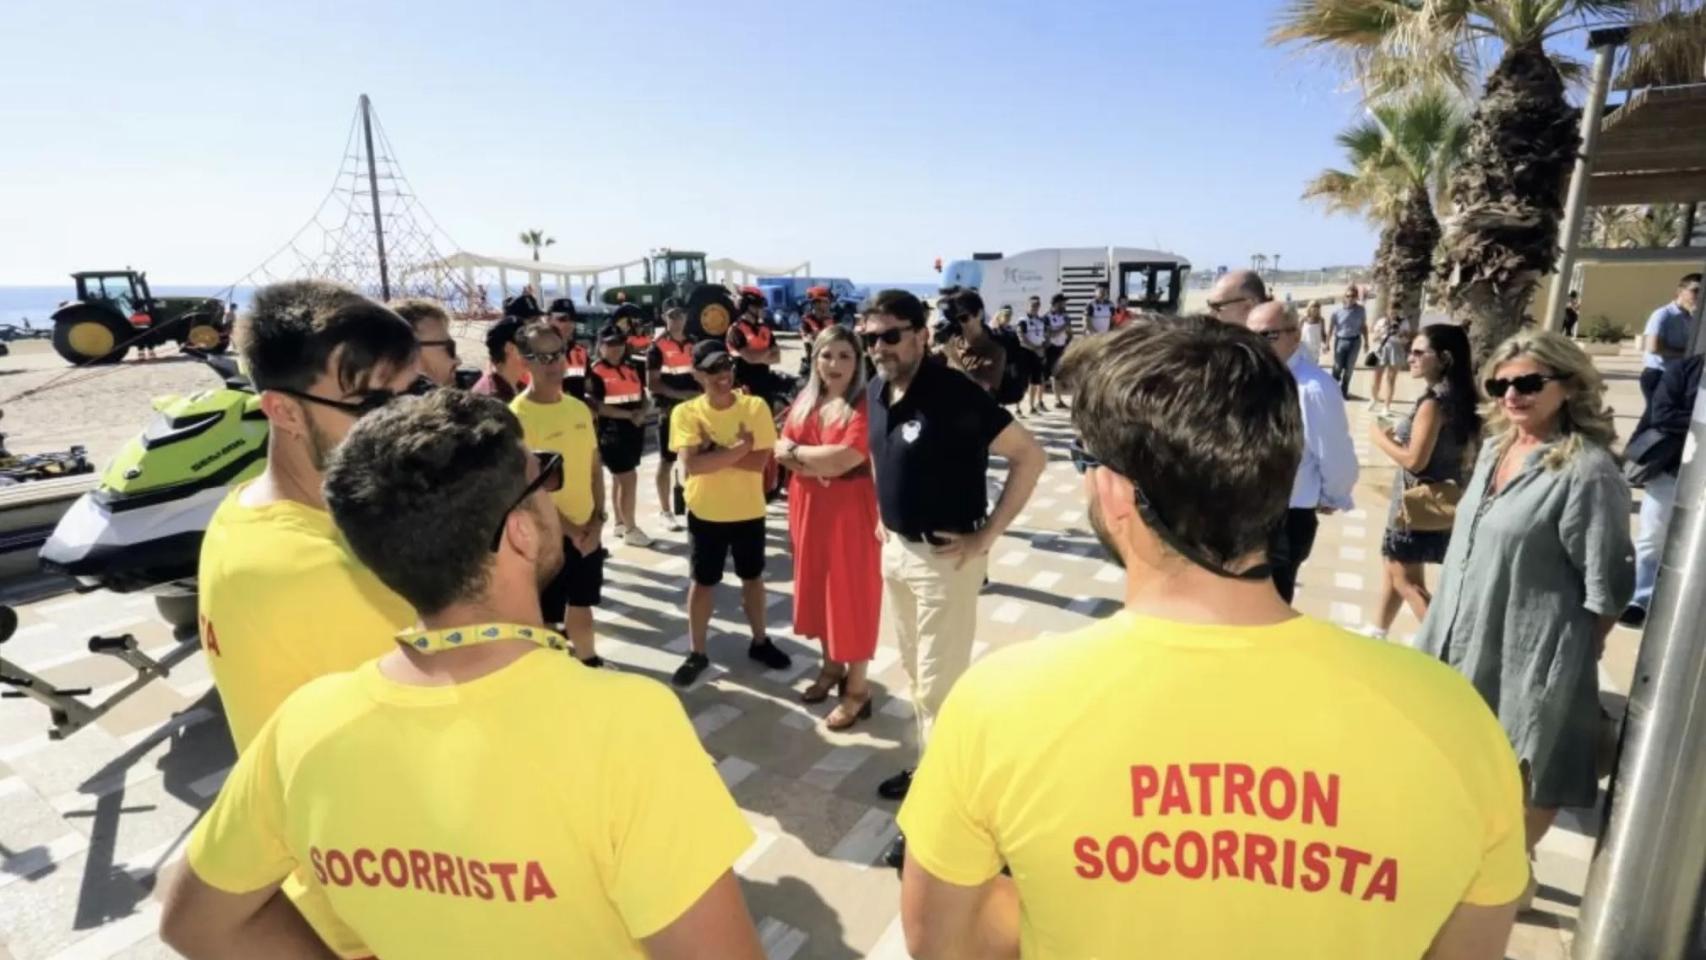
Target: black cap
{"points": [[610, 334], [563, 305], [710, 353], [627, 310]]}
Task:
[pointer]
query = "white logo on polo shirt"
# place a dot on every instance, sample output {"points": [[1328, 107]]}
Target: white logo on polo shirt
{"points": [[910, 430]]}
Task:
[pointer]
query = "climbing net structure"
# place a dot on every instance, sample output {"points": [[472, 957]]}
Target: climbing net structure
{"points": [[369, 202]]}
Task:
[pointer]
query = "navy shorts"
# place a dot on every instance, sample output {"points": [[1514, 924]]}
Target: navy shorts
{"points": [[620, 444], [664, 451]]}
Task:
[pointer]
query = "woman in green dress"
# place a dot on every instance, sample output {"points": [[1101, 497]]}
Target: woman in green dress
{"points": [[1539, 567]]}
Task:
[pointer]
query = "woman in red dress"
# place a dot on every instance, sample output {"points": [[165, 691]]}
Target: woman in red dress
{"points": [[832, 520]]}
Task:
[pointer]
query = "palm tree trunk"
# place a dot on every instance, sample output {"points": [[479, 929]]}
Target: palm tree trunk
{"points": [[1508, 192], [1410, 261]]}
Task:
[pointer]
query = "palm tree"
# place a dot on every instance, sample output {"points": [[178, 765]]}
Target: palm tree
{"points": [[1259, 262], [1636, 227], [537, 240], [1400, 158], [1507, 193]]}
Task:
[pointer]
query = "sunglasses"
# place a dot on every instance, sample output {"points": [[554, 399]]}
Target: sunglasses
{"points": [[550, 479], [1215, 306], [544, 357], [1272, 336], [365, 403], [1083, 460], [1527, 384], [892, 336], [448, 345]]}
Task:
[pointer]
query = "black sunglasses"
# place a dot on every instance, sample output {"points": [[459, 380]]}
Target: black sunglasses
{"points": [[1528, 383], [550, 479], [364, 404], [448, 345], [1273, 335], [545, 357], [891, 336], [1083, 460]]}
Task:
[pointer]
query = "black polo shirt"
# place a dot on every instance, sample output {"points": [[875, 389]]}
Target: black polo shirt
{"points": [[931, 451]]}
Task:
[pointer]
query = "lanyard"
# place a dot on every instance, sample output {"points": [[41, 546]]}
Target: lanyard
{"points": [[453, 638]]}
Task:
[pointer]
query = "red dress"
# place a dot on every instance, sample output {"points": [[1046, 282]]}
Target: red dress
{"points": [[838, 581]]}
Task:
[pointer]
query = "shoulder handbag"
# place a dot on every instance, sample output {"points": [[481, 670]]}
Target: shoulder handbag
{"points": [[1373, 358], [1429, 507]]}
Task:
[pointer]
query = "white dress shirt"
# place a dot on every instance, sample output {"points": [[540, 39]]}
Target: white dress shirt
{"points": [[1329, 467]]}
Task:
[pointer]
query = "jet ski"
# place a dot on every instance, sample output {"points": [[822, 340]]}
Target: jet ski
{"points": [[141, 527]]}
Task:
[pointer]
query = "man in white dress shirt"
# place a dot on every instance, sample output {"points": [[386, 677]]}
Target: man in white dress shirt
{"points": [[1329, 467]]}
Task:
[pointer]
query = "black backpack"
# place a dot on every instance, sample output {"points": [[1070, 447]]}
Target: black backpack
{"points": [[1016, 373]]}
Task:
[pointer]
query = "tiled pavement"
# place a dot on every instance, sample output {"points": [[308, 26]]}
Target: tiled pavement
{"points": [[85, 824]]}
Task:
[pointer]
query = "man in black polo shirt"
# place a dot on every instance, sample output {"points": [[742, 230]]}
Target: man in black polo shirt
{"points": [[931, 433]]}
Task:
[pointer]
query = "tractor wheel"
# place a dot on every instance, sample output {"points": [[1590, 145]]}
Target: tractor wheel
{"points": [[204, 335], [710, 313], [91, 335]]}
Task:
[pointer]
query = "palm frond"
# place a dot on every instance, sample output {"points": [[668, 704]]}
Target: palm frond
{"points": [[1669, 48], [1362, 24]]}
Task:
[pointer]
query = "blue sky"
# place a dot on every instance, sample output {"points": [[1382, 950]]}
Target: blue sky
{"points": [[193, 139]]}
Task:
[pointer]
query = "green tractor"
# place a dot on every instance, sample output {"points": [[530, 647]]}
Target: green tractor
{"points": [[679, 276], [115, 311]]}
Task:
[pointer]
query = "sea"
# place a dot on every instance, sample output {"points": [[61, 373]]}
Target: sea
{"points": [[31, 306]]}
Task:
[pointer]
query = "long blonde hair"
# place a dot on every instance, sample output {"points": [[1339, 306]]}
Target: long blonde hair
{"points": [[836, 410], [1584, 418]]}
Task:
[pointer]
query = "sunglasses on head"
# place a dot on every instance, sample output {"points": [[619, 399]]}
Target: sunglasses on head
{"points": [[1527, 384], [891, 336], [1083, 460], [550, 479], [448, 345], [365, 402]]}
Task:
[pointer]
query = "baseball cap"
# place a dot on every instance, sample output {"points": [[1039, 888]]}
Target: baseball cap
{"points": [[610, 334], [709, 354]]}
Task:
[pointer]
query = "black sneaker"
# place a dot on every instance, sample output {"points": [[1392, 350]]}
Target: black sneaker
{"points": [[895, 855], [895, 787], [690, 669], [769, 654], [1633, 616]]}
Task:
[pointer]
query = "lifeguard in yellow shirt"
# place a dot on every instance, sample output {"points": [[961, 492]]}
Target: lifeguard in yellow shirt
{"points": [[1207, 773], [477, 792], [282, 599]]}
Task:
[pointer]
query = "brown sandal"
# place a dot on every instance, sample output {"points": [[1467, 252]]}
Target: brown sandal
{"points": [[827, 679], [844, 717]]}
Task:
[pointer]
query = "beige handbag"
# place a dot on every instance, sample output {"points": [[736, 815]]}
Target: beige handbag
{"points": [[1430, 507]]}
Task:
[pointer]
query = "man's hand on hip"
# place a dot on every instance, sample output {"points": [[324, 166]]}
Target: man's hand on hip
{"points": [[962, 546]]}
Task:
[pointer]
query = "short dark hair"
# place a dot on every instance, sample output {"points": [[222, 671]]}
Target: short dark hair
{"points": [[1687, 279], [898, 304], [1202, 417], [505, 331], [416, 309], [967, 302], [418, 487], [293, 330], [537, 328]]}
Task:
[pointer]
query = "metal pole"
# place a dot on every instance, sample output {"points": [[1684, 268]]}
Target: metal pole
{"points": [[1646, 880], [373, 190], [1575, 208]]}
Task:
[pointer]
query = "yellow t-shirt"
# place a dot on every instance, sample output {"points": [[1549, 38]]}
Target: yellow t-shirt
{"points": [[283, 602], [1203, 791], [727, 495], [459, 821], [565, 428]]}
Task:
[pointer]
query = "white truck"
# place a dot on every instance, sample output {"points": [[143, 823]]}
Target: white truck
{"points": [[1152, 280]]}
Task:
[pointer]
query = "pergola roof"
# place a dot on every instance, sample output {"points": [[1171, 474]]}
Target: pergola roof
{"points": [[1652, 149]]}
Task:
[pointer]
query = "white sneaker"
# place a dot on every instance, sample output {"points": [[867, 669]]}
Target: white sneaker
{"points": [[1373, 405], [673, 522], [635, 537], [1373, 633]]}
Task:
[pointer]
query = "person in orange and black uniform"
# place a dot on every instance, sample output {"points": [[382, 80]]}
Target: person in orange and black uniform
{"points": [[566, 322], [618, 395], [636, 335], [669, 376], [753, 344], [816, 319]]}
